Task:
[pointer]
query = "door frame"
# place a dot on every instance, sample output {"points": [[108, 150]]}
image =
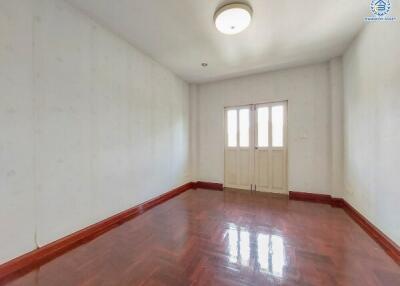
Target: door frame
{"points": [[254, 136]]}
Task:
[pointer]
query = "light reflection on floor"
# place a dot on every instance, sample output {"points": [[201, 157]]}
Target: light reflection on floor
{"points": [[267, 250]]}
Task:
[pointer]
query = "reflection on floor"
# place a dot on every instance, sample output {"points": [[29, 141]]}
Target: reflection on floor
{"points": [[268, 249], [206, 237]]}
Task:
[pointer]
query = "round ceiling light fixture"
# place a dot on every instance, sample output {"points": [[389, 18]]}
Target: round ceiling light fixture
{"points": [[233, 18]]}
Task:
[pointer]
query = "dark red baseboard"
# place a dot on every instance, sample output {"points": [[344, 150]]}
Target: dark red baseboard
{"points": [[390, 247], [207, 185], [385, 242], [308, 197], [26, 262]]}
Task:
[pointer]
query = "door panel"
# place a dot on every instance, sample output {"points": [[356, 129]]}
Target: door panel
{"points": [[244, 166], [262, 181], [278, 180], [230, 167], [271, 147], [239, 158]]}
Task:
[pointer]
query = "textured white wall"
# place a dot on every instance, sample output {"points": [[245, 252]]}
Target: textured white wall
{"points": [[17, 172], [372, 125], [193, 131], [89, 125], [308, 91], [337, 105]]}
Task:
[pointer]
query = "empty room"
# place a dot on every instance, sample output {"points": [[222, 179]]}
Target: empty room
{"points": [[199, 142]]}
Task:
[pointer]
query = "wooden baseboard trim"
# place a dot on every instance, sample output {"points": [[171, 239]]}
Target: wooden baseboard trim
{"points": [[27, 262], [384, 241], [208, 185], [308, 197], [388, 245]]}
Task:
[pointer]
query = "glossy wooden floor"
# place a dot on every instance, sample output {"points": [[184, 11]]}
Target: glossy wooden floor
{"points": [[207, 237]]}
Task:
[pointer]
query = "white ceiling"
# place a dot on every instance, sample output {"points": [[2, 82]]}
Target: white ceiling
{"points": [[180, 34]]}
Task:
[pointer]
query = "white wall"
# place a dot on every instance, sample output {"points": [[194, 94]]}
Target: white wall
{"points": [[308, 91], [372, 125], [17, 172], [337, 105], [89, 125], [193, 88]]}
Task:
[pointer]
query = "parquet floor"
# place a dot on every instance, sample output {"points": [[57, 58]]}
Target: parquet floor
{"points": [[207, 237]]}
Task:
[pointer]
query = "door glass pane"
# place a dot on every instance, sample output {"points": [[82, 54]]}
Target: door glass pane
{"points": [[262, 126], [244, 127], [277, 126], [232, 128]]}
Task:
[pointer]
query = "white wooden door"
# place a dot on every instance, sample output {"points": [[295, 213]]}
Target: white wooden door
{"points": [[270, 154], [256, 147], [239, 150]]}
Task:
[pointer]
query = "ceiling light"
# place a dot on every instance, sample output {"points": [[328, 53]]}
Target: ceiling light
{"points": [[233, 18]]}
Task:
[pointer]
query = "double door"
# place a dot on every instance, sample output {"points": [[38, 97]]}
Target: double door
{"points": [[256, 147]]}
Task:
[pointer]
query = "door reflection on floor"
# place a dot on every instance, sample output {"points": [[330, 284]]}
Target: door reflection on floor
{"points": [[266, 250]]}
